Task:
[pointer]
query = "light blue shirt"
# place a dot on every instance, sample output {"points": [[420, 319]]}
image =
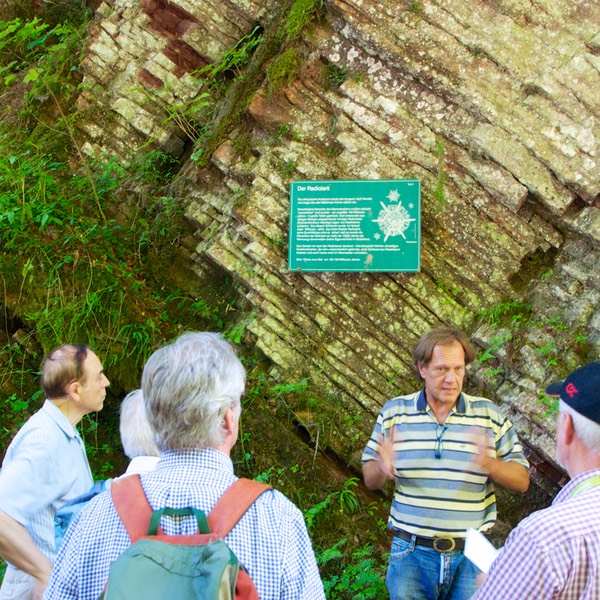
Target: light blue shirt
{"points": [[45, 465], [270, 540]]}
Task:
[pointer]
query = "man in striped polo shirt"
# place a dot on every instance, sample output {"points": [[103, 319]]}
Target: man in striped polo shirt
{"points": [[444, 450]]}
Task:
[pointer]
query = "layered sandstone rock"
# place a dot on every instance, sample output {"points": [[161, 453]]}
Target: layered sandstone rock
{"points": [[492, 106]]}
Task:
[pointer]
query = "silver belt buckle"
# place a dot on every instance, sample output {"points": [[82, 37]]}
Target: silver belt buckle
{"points": [[444, 538]]}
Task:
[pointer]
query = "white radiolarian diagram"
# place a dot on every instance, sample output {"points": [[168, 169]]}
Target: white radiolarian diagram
{"points": [[394, 219]]}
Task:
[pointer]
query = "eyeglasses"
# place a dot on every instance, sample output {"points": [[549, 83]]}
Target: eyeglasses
{"points": [[438, 449]]}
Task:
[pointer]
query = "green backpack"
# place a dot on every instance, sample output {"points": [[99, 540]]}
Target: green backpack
{"points": [[158, 566]]}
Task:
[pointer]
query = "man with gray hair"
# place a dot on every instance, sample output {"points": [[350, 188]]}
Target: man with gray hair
{"points": [[555, 553], [192, 390]]}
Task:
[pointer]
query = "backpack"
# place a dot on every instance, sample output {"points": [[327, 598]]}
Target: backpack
{"points": [[158, 566], [69, 510]]}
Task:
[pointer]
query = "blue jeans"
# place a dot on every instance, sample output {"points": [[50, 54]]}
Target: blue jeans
{"points": [[421, 573]]}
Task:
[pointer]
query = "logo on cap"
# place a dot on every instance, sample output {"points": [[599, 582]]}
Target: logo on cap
{"points": [[571, 390]]}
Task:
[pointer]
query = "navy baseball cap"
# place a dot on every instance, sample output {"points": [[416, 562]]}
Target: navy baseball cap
{"points": [[581, 391]]}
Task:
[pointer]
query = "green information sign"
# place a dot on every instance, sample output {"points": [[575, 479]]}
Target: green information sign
{"points": [[355, 225]]}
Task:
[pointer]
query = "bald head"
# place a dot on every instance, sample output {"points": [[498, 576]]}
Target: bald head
{"points": [[62, 366]]}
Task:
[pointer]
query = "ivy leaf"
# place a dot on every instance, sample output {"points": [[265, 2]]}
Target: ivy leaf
{"points": [[32, 75]]}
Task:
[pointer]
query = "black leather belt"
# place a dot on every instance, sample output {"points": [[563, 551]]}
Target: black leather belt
{"points": [[441, 543]]}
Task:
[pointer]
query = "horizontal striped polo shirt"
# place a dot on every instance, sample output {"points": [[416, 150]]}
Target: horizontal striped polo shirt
{"points": [[439, 490]]}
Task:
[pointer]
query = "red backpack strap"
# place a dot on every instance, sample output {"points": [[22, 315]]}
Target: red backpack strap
{"points": [[233, 504], [131, 505], [135, 512]]}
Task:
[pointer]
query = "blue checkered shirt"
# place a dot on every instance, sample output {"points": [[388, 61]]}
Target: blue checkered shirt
{"points": [[270, 540]]}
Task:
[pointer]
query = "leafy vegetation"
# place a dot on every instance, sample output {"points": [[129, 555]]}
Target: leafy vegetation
{"points": [[237, 74], [300, 15], [283, 70], [233, 61], [518, 335], [336, 75], [71, 269], [358, 575]]}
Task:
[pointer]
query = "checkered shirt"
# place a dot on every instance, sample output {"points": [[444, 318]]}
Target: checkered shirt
{"points": [[270, 540], [552, 554]]}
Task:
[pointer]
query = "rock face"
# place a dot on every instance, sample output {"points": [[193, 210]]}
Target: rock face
{"points": [[493, 106]]}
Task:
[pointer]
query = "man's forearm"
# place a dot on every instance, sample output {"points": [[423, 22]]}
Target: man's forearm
{"points": [[508, 474], [17, 548]]}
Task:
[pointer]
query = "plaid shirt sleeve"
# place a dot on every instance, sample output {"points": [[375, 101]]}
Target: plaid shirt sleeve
{"points": [[522, 570], [301, 578]]}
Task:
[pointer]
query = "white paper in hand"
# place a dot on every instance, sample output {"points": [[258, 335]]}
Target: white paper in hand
{"points": [[479, 550]]}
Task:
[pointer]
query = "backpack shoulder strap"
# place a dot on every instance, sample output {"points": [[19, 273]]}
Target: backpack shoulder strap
{"points": [[135, 512], [131, 505], [233, 504]]}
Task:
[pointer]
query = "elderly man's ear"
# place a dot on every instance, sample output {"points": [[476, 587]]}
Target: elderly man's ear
{"points": [[72, 388], [229, 420], [566, 429], [231, 428]]}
